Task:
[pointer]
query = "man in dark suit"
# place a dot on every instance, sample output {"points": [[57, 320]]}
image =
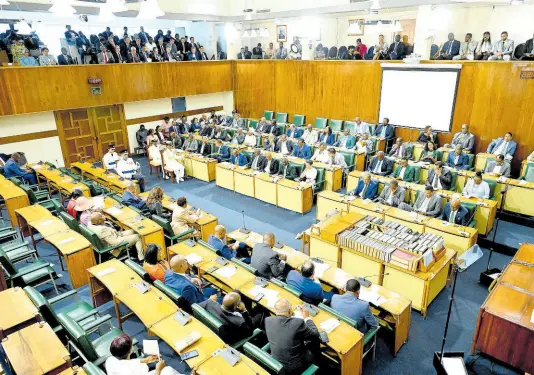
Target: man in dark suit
{"points": [[263, 126], [400, 149], [203, 55], [286, 170], [193, 55], [64, 58], [192, 44], [289, 336], [268, 263], [258, 161], [161, 47], [183, 46], [305, 282], [455, 213], [142, 35], [528, 54], [366, 188], [385, 130], [284, 146], [126, 46], [272, 165], [396, 49], [221, 133], [208, 131], [439, 177], [449, 49], [380, 165], [117, 55], [458, 159], [237, 323], [392, 195], [178, 279], [222, 152], [204, 148]]}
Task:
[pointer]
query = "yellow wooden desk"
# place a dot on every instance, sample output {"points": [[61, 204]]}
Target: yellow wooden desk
{"points": [[524, 165], [203, 168], [328, 201], [48, 226], [345, 341], [333, 176], [26, 214], [150, 307], [64, 184], [16, 311], [416, 223], [181, 248], [293, 197], [14, 197], [455, 237], [224, 176], [244, 181], [481, 160], [519, 197], [265, 189], [78, 254], [366, 207], [217, 365], [235, 282], [525, 254], [36, 350], [111, 181]]}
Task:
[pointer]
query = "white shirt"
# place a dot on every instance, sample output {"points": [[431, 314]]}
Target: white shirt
{"points": [[362, 128], [310, 174], [155, 155], [250, 140], [126, 168], [497, 168], [283, 148], [110, 160], [481, 190], [310, 137], [150, 46], [116, 366], [436, 184], [320, 156], [424, 205], [378, 166], [268, 166], [401, 173], [500, 150]]}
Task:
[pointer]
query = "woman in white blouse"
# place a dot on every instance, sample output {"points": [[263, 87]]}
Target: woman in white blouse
{"points": [[381, 48], [250, 139], [170, 159], [477, 187], [483, 51], [121, 364], [309, 174]]}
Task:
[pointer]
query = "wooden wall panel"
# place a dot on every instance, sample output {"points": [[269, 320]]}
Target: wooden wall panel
{"points": [[28, 89], [491, 97]]}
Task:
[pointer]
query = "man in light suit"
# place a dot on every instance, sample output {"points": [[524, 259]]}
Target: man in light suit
{"points": [[458, 159], [454, 212], [272, 165], [239, 137], [284, 146], [464, 138], [269, 144], [404, 172], [346, 140], [105, 57], [498, 167], [220, 133], [427, 203], [336, 158], [294, 342], [503, 146], [222, 152], [178, 279], [238, 122], [286, 170], [268, 262], [321, 154], [310, 135], [305, 282], [366, 188], [449, 49], [190, 144], [361, 127], [365, 144], [302, 150], [350, 305], [400, 149], [293, 132], [380, 165], [503, 49], [238, 158], [263, 126], [258, 161], [439, 178], [392, 195], [385, 130]]}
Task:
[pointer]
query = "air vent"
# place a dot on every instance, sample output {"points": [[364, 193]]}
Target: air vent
{"points": [[263, 11]]}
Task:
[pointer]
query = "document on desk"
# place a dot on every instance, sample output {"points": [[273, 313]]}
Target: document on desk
{"points": [[151, 347], [193, 258], [98, 202], [66, 240], [47, 222], [226, 271], [271, 296], [114, 211], [320, 268], [106, 272], [371, 297], [256, 289], [329, 325], [187, 341]]}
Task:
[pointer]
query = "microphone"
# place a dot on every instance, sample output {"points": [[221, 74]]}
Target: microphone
{"points": [[244, 229], [366, 283], [464, 233], [320, 260]]}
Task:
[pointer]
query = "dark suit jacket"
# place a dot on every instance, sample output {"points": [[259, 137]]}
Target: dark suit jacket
{"points": [[234, 327], [207, 149], [371, 191], [396, 53], [135, 59], [445, 179], [528, 46], [455, 50], [461, 218], [289, 146], [273, 168], [463, 161], [261, 163], [117, 57], [184, 287], [390, 132], [203, 56], [266, 261], [208, 132], [64, 60], [291, 171], [386, 168], [225, 152], [287, 337]]}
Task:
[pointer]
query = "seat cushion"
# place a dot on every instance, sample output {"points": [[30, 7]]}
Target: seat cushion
{"points": [[75, 310], [103, 343], [13, 255], [39, 275]]}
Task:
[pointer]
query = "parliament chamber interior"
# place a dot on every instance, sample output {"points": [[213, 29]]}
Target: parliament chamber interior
{"points": [[179, 210]]}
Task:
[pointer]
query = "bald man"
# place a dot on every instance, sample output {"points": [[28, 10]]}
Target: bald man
{"points": [[236, 320], [268, 262], [288, 336], [178, 279], [454, 212], [218, 241]]}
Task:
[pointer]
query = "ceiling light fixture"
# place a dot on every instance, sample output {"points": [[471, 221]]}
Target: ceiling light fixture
{"points": [[517, 2], [106, 14], [62, 8], [150, 10], [397, 27], [264, 33], [4, 2], [375, 7], [248, 14], [116, 6], [253, 34]]}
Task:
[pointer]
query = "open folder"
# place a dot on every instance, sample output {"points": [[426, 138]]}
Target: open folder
{"points": [[187, 341]]}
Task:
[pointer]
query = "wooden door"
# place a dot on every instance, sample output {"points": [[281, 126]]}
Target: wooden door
{"points": [[110, 127], [77, 136]]}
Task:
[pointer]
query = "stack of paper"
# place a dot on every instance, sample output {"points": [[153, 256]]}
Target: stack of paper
{"points": [[320, 268], [105, 272], [271, 296], [114, 211], [226, 271], [66, 240], [371, 297], [329, 325], [257, 289], [151, 347], [187, 341], [47, 222], [193, 258]]}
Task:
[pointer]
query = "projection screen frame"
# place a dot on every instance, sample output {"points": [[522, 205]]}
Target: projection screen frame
{"points": [[428, 68]]}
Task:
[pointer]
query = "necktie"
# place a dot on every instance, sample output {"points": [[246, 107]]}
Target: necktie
{"points": [[255, 164], [453, 215], [364, 190], [399, 151], [105, 57], [435, 184], [502, 50], [450, 48]]}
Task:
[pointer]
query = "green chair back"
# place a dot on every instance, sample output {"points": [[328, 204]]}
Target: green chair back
{"points": [[230, 132], [164, 223], [138, 270], [279, 283], [417, 173], [263, 358], [529, 173], [299, 120], [78, 336], [282, 128], [248, 154], [92, 237], [320, 123], [439, 155], [471, 159], [268, 115], [58, 207], [351, 125], [248, 267], [281, 117], [293, 291], [174, 296], [42, 304], [298, 167], [350, 158], [338, 315], [253, 124], [471, 207], [30, 193], [204, 243], [454, 175], [6, 263], [15, 180], [117, 198], [71, 222], [336, 125], [206, 318], [320, 179], [372, 128], [492, 185], [92, 369]]}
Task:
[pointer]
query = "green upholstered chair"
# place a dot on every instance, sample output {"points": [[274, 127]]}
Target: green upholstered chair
{"points": [[439, 155], [94, 187], [351, 125], [529, 173], [281, 117], [168, 232], [246, 266], [117, 198], [454, 176], [471, 162], [336, 125], [350, 159], [372, 128], [18, 251], [81, 339], [492, 185], [37, 273], [99, 247], [231, 132], [279, 283], [41, 197], [369, 340], [8, 234], [319, 181], [248, 155], [252, 124], [299, 120], [269, 115], [58, 206], [92, 369], [264, 359], [320, 123], [71, 222], [298, 167], [175, 297], [471, 207], [78, 310], [282, 128], [417, 174], [139, 270]]}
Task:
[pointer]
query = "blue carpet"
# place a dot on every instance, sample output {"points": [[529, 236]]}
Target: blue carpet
{"points": [[415, 357]]}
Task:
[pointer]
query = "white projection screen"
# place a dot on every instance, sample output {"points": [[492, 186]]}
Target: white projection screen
{"points": [[417, 95]]}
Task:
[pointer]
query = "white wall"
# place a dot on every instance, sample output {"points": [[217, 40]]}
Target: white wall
{"points": [[46, 149]]}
